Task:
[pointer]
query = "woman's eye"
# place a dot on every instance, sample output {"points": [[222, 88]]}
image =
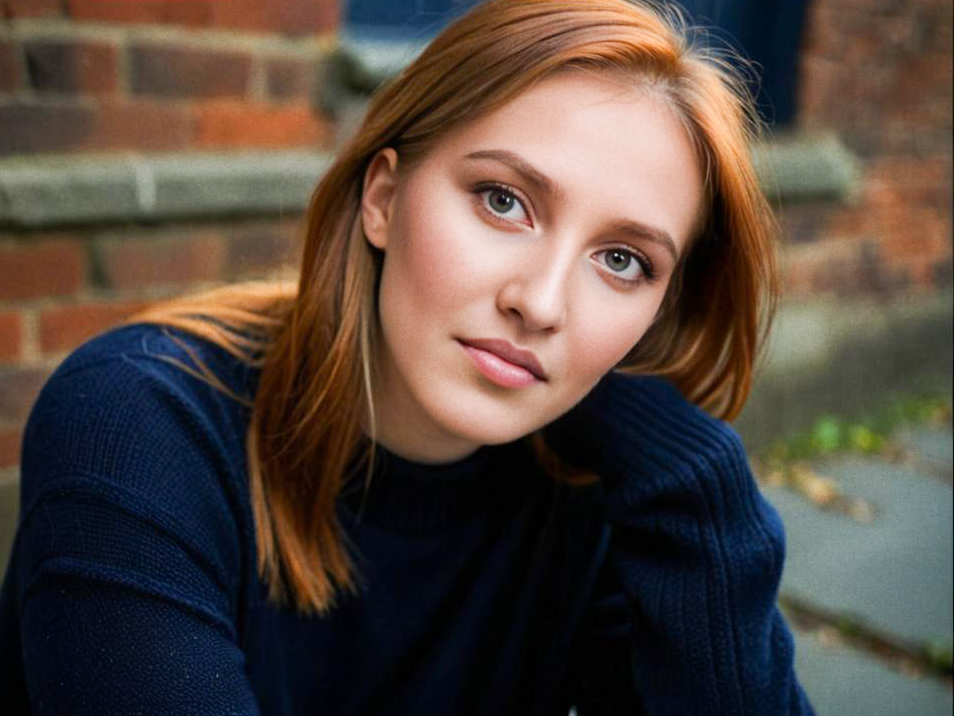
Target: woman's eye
{"points": [[623, 264], [505, 204]]}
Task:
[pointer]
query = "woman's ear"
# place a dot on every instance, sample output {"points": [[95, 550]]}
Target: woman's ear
{"points": [[377, 197]]}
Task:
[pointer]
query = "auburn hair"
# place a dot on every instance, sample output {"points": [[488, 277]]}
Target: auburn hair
{"points": [[313, 342]]}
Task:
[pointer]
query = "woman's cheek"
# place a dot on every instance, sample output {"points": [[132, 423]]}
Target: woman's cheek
{"points": [[610, 339], [452, 261]]}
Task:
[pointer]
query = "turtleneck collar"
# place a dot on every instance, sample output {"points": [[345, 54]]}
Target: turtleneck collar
{"points": [[418, 498]]}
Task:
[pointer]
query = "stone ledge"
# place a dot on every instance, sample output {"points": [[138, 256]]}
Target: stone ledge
{"points": [[847, 358], [804, 167], [36, 192]]}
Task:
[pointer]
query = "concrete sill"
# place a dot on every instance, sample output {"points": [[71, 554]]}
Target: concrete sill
{"points": [[38, 192], [805, 167]]}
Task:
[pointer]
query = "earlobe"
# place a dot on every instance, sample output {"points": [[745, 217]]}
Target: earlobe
{"points": [[377, 197]]}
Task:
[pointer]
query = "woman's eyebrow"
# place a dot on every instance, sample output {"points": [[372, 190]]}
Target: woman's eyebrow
{"points": [[522, 167], [649, 233], [526, 170]]}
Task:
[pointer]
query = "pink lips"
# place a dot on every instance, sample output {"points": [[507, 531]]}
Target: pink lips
{"points": [[504, 363]]}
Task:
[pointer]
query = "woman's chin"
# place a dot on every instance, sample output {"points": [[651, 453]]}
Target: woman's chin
{"points": [[490, 431]]}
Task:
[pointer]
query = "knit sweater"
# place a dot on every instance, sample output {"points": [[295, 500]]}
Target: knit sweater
{"points": [[486, 586]]}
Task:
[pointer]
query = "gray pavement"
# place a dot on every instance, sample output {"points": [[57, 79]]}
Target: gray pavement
{"points": [[892, 573], [840, 681], [932, 449]]}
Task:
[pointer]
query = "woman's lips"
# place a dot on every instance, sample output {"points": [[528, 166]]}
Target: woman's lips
{"points": [[498, 370]]}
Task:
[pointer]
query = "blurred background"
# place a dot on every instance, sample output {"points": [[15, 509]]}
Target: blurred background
{"points": [[154, 147]]}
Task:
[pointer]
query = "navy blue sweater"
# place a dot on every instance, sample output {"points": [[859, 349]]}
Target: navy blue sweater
{"points": [[487, 587]]}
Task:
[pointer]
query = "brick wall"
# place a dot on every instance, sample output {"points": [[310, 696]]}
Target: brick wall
{"points": [[80, 76], [157, 75], [879, 73], [59, 288]]}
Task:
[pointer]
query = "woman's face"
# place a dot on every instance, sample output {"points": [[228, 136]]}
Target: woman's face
{"points": [[551, 226]]}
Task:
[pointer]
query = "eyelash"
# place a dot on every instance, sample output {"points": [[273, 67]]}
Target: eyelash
{"points": [[648, 271]]}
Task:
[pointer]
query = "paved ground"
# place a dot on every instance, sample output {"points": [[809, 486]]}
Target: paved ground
{"points": [[892, 573]]}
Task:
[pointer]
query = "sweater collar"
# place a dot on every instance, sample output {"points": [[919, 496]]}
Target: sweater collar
{"points": [[417, 498]]}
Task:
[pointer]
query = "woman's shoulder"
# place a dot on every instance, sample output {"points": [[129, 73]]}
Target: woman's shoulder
{"points": [[140, 373], [156, 351], [119, 363], [133, 477], [131, 413]]}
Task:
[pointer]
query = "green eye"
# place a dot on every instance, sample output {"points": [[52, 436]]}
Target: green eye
{"points": [[503, 204], [501, 201], [618, 260], [624, 265]]}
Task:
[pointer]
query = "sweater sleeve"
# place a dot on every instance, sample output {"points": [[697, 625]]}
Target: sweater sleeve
{"points": [[684, 618], [128, 557]]}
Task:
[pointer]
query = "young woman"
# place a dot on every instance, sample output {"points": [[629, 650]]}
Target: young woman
{"points": [[468, 465]]}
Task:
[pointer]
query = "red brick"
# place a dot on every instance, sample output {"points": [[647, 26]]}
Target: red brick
{"points": [[10, 72], [169, 71], [171, 12], [223, 125], [139, 263], [256, 251], [66, 327], [818, 78], [142, 126], [18, 390], [888, 89], [943, 273], [289, 78], [71, 126], [941, 38], [30, 127], [290, 17], [46, 268], [294, 17], [923, 271], [72, 67], [12, 9], [821, 33], [11, 336], [839, 267], [902, 243], [10, 439]]}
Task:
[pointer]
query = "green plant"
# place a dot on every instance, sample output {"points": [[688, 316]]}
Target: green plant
{"points": [[787, 460]]}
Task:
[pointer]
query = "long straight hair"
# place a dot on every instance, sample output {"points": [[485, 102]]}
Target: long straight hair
{"points": [[314, 343]]}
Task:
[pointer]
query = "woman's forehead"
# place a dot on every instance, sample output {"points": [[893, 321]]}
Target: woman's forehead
{"points": [[579, 137]]}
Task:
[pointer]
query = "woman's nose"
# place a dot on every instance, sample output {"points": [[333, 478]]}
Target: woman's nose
{"points": [[536, 292]]}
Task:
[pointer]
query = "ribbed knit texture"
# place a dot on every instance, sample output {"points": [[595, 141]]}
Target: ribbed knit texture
{"points": [[487, 587]]}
